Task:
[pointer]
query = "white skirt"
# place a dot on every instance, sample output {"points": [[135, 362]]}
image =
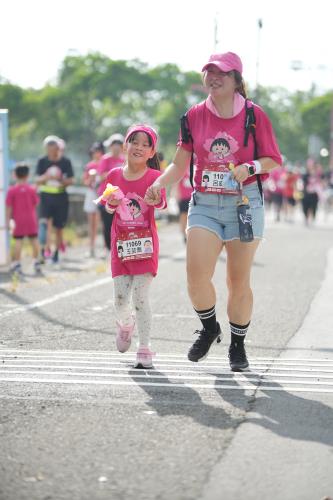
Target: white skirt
{"points": [[89, 206]]}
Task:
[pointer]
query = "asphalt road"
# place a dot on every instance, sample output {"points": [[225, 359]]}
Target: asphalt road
{"points": [[78, 423]]}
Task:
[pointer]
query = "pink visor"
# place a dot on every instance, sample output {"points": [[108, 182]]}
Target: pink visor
{"points": [[142, 128], [225, 62]]}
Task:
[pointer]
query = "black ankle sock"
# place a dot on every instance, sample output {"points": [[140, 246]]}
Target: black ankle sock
{"points": [[238, 332], [208, 319]]}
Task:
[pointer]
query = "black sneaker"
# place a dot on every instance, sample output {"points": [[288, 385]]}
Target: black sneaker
{"points": [[237, 357], [37, 267], [55, 257], [17, 269], [201, 346]]}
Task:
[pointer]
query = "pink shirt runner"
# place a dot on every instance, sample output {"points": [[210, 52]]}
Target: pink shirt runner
{"points": [[140, 217], [219, 141], [106, 164], [184, 187], [23, 199]]}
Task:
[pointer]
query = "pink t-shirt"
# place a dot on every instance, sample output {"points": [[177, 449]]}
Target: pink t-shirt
{"points": [[184, 187], [23, 199], [106, 164], [219, 141], [137, 222], [92, 165]]}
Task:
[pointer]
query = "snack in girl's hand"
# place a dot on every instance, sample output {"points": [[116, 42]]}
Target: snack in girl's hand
{"points": [[110, 191]]}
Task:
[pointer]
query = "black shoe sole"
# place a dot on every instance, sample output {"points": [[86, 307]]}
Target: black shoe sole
{"points": [[242, 368], [141, 367]]}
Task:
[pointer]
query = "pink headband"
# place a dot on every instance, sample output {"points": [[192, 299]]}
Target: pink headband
{"points": [[142, 128]]}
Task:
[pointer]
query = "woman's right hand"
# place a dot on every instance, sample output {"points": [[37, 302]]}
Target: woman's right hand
{"points": [[153, 194]]}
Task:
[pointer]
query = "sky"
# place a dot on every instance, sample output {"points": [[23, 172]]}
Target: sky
{"points": [[36, 35]]}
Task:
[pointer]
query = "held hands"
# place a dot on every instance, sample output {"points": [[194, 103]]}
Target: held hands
{"points": [[153, 194]]}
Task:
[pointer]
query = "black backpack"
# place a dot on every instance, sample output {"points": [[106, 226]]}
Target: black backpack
{"points": [[249, 127]]}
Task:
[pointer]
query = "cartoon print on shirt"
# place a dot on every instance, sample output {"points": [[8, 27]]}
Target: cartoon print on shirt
{"points": [[221, 148], [134, 210]]}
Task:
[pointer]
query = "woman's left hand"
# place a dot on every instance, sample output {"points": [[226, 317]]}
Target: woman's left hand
{"points": [[240, 173]]}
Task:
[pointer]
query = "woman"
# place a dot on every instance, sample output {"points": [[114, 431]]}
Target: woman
{"points": [[113, 159], [89, 179], [312, 190], [213, 222]]}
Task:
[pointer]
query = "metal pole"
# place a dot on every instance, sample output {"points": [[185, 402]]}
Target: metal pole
{"points": [[331, 140], [215, 33], [4, 169], [258, 58]]}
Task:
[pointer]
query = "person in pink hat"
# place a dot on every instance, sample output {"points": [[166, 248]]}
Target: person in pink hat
{"points": [[231, 146], [134, 239]]}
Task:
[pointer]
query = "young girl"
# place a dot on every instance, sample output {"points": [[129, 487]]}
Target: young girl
{"points": [[133, 266]]}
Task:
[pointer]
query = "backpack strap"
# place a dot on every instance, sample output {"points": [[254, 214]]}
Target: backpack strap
{"points": [[187, 138], [250, 128]]}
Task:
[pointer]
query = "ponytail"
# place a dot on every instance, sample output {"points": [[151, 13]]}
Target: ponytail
{"points": [[154, 162], [240, 84]]}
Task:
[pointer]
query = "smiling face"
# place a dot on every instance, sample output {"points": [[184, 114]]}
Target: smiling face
{"points": [[139, 148], [219, 83]]}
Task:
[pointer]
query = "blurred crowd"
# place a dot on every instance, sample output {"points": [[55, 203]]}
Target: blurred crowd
{"points": [[291, 187], [38, 202]]}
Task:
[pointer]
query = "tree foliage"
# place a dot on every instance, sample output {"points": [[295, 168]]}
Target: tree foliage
{"points": [[94, 96]]}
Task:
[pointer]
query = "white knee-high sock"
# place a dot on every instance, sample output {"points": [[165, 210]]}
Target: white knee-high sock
{"points": [[141, 287], [122, 295]]}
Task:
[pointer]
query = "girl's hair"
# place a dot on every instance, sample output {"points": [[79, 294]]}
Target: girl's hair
{"points": [[220, 142], [205, 177], [97, 146], [240, 84], [134, 203], [153, 162]]}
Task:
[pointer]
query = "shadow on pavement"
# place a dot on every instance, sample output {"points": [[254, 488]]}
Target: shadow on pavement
{"points": [[285, 414], [185, 401]]}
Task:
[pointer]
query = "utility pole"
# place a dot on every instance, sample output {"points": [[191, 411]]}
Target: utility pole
{"points": [[259, 25], [4, 167], [216, 41], [331, 139]]}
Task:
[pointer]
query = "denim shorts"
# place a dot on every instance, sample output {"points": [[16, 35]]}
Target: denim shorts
{"points": [[218, 213]]}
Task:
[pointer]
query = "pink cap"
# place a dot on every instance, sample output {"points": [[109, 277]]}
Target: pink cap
{"points": [[225, 62], [143, 128]]}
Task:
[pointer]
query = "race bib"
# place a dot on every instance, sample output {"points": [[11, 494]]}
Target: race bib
{"points": [[135, 244], [218, 180]]}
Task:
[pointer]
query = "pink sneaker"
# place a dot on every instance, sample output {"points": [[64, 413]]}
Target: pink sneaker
{"points": [[47, 253], [124, 336], [144, 358], [62, 247]]}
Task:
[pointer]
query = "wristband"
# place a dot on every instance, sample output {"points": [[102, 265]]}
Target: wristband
{"points": [[257, 166], [253, 167]]}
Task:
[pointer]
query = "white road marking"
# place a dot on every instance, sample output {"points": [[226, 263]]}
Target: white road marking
{"points": [[149, 376], [118, 359], [78, 367], [132, 355], [156, 384], [55, 298]]}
